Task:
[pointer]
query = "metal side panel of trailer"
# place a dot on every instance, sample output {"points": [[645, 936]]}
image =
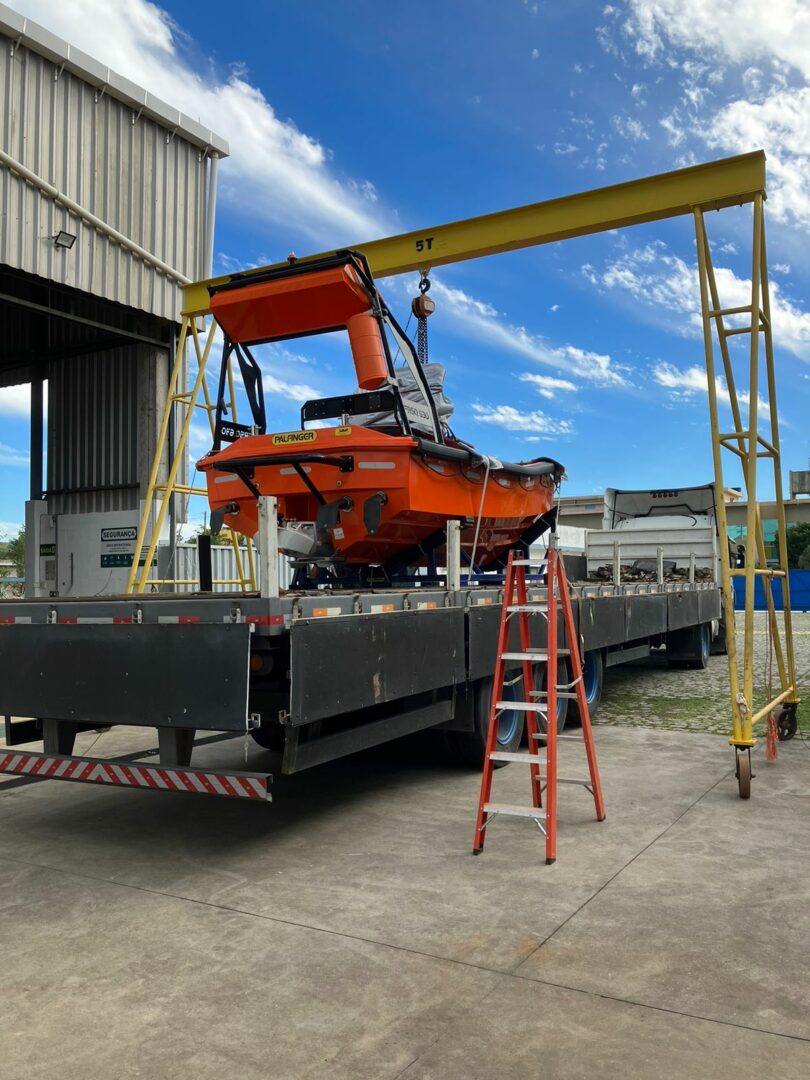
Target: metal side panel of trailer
{"points": [[175, 676], [604, 621], [343, 665]]}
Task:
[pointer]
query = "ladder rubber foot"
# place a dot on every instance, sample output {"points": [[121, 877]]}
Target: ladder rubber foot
{"points": [[477, 850], [550, 861], [602, 818]]}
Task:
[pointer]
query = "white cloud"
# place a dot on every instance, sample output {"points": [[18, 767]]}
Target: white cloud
{"points": [[275, 361], [562, 149], [662, 281], [535, 54], [295, 391], [685, 384], [480, 321], [554, 307], [738, 30], [199, 439], [10, 455], [673, 126], [506, 416], [15, 400], [770, 45], [9, 529], [630, 128], [276, 173], [545, 385], [780, 125]]}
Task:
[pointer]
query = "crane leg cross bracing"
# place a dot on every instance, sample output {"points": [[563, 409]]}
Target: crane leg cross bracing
{"points": [[747, 442], [714, 185]]}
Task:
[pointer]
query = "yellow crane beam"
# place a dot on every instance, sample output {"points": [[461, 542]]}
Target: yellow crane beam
{"points": [[711, 186]]}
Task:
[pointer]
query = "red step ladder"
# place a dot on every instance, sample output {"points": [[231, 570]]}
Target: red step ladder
{"points": [[543, 703]]}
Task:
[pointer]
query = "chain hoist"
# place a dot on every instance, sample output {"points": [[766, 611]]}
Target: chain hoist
{"points": [[421, 307]]}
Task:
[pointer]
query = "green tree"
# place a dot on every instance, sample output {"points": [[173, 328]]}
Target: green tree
{"points": [[221, 539], [15, 550], [798, 539]]}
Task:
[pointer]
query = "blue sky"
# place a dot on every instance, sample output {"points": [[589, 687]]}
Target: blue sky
{"points": [[353, 120]]}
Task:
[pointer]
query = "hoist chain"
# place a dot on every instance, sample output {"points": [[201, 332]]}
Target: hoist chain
{"points": [[422, 306]]}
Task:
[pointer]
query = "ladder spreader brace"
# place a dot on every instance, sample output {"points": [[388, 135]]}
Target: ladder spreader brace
{"points": [[537, 703]]}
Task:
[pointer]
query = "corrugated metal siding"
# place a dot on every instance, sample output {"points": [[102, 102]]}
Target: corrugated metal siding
{"points": [[93, 432], [223, 565], [129, 171]]}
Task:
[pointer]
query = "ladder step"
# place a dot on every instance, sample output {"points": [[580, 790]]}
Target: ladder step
{"points": [[520, 706], [535, 656], [573, 780], [541, 607], [530, 562], [560, 693], [543, 735], [509, 755], [515, 811]]}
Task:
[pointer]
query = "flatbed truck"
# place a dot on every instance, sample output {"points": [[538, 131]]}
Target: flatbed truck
{"points": [[311, 675]]}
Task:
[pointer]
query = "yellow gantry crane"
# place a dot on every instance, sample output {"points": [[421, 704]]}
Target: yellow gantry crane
{"points": [[734, 181]]}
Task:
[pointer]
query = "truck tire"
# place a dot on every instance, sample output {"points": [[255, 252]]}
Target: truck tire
{"points": [[467, 747], [593, 678], [703, 633], [690, 648]]}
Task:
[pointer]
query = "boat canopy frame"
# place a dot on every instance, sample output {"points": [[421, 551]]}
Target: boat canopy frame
{"points": [[406, 414]]}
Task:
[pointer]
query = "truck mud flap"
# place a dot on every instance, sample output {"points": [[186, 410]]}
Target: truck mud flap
{"points": [[172, 675]]}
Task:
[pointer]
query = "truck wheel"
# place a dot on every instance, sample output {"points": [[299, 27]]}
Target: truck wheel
{"points": [[703, 644], [690, 648], [467, 747], [593, 678]]}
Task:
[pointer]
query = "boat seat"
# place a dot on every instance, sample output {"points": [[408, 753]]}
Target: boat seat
{"points": [[347, 405]]}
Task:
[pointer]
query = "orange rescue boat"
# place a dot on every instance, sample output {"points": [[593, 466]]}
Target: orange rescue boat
{"points": [[378, 488]]}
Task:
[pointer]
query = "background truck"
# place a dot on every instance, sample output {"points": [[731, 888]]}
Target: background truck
{"points": [[316, 674]]}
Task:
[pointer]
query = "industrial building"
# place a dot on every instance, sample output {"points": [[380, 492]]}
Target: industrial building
{"points": [[107, 197]]}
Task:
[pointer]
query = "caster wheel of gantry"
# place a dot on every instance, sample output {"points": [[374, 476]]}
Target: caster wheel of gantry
{"points": [[787, 722], [744, 773]]}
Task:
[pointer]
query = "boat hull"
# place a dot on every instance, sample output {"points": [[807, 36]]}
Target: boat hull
{"points": [[413, 493]]}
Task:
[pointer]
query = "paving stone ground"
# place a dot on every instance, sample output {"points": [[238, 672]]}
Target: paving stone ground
{"points": [[651, 694]]}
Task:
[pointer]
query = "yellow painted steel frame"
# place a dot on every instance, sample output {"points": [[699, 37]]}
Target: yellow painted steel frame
{"points": [[712, 186], [152, 523], [749, 446]]}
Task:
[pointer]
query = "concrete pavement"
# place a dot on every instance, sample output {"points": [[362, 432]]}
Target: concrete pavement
{"points": [[346, 931]]}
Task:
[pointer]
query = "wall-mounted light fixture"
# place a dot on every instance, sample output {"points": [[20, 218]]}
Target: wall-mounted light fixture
{"points": [[64, 239]]}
